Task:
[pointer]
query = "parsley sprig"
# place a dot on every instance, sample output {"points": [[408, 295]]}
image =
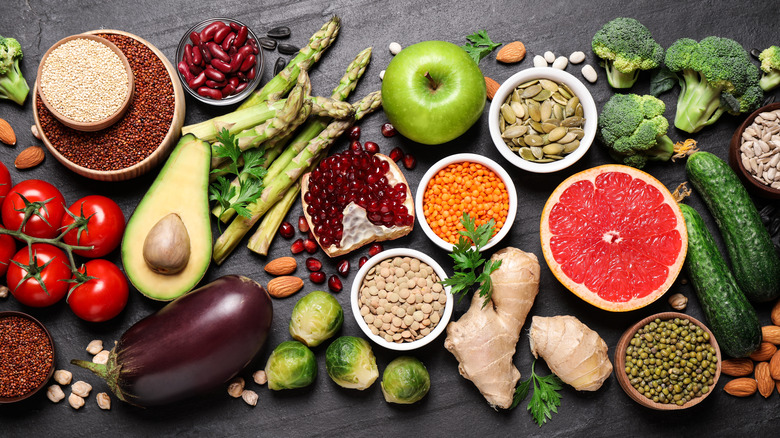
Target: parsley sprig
{"points": [[479, 45], [545, 399], [250, 176], [468, 260]]}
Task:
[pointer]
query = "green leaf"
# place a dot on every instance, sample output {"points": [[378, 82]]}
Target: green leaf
{"points": [[545, 398], [661, 81], [479, 45]]}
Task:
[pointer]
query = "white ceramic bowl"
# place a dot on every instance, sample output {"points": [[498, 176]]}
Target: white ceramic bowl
{"points": [[589, 110], [375, 260], [459, 158]]}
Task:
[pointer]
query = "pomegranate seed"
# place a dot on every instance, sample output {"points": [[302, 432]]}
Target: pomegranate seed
{"points": [[371, 147], [310, 246], [334, 284], [356, 146], [303, 225], [388, 130], [286, 230], [309, 234], [344, 268], [375, 249], [396, 154], [354, 133], [313, 264], [362, 261], [297, 246], [409, 161], [317, 277]]}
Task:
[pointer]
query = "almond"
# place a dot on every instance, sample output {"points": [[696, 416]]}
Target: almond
{"points": [[764, 352], [764, 381], [774, 366], [492, 87], [281, 266], [775, 314], [30, 157], [511, 53], [742, 387], [771, 334], [7, 134], [281, 287], [737, 367]]}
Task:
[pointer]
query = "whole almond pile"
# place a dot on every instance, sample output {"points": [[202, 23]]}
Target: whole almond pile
{"points": [[764, 364]]}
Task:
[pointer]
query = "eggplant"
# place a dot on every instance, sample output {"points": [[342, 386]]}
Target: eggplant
{"points": [[191, 346]]}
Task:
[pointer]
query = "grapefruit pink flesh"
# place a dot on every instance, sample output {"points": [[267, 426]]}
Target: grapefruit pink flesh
{"points": [[614, 236]]}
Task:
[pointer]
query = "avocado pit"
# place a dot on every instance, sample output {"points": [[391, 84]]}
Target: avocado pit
{"points": [[167, 245]]}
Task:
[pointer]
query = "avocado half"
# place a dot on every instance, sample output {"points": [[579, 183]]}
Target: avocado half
{"points": [[181, 188]]}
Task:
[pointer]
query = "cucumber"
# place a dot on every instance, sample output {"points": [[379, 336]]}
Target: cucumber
{"points": [[729, 314], [755, 263]]}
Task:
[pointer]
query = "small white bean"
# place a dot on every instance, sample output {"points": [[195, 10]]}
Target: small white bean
{"points": [[560, 63], [549, 56], [589, 73], [539, 61], [576, 57], [382, 75], [395, 48]]}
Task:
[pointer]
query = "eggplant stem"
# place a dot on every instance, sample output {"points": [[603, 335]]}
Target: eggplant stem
{"points": [[98, 368], [108, 372]]}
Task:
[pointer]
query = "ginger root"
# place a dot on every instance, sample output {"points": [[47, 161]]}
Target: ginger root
{"points": [[484, 339], [574, 352]]}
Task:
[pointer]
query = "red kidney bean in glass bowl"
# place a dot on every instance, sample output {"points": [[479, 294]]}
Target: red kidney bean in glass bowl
{"points": [[219, 61]]}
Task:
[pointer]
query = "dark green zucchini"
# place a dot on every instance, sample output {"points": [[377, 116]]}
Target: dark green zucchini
{"points": [[755, 263], [729, 314]]}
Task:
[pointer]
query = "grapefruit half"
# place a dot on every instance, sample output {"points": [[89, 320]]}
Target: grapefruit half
{"points": [[614, 236]]}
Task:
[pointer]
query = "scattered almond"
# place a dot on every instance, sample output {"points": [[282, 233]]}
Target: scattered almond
{"points": [[737, 367], [7, 134], [764, 381], [742, 387], [775, 314], [30, 157], [281, 266], [764, 352], [285, 286], [774, 366], [492, 86], [771, 334], [511, 53]]}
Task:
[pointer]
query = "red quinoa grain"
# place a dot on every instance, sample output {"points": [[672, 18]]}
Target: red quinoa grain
{"points": [[26, 356], [138, 133]]}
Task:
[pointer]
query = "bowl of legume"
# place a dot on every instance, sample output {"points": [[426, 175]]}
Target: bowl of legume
{"points": [[465, 183], [542, 119], [26, 356], [668, 361], [754, 151], [86, 82], [398, 301]]}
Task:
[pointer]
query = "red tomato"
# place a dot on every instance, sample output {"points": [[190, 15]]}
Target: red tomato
{"points": [[34, 190], [30, 291], [5, 182], [99, 223], [102, 297], [7, 250]]}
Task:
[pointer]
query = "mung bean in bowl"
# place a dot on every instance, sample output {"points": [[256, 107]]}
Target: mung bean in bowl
{"points": [[542, 119], [397, 299], [650, 370]]}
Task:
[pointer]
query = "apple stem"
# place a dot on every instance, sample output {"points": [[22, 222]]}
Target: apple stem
{"points": [[434, 85]]}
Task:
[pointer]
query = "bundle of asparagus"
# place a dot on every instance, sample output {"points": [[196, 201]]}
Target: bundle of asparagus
{"points": [[271, 122]]}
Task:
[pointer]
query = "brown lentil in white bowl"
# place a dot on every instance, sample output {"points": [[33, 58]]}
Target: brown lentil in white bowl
{"points": [[427, 307]]}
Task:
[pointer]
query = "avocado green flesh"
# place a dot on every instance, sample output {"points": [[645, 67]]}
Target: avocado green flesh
{"points": [[182, 188]]}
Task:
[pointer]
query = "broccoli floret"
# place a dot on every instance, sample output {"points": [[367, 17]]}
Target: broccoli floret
{"points": [[716, 76], [634, 129], [626, 47], [12, 83], [770, 65]]}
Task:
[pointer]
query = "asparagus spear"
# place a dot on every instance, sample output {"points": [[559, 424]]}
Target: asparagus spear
{"points": [[261, 241], [234, 122], [277, 186], [307, 56]]}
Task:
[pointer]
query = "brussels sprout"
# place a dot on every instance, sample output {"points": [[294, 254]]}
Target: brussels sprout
{"points": [[291, 365], [405, 381], [351, 363], [315, 318]]}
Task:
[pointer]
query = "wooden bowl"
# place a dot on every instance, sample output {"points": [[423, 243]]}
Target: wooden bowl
{"points": [[735, 160], [5, 400], [162, 151], [99, 124], [620, 363]]}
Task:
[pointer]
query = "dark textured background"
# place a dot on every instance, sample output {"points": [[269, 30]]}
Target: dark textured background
{"points": [[453, 406]]}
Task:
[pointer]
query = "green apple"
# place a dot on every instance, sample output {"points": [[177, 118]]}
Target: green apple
{"points": [[432, 92]]}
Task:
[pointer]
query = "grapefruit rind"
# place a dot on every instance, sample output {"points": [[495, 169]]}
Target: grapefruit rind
{"points": [[673, 265]]}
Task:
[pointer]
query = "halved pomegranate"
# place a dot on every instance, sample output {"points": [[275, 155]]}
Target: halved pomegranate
{"points": [[354, 198]]}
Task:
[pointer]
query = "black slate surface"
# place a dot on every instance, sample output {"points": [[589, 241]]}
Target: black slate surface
{"points": [[453, 407]]}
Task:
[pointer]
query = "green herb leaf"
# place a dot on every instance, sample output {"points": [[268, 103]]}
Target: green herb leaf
{"points": [[545, 399], [661, 81], [479, 46]]}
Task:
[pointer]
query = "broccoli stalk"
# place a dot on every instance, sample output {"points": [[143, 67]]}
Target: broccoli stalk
{"points": [[770, 66], [12, 83], [701, 101], [626, 47]]}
